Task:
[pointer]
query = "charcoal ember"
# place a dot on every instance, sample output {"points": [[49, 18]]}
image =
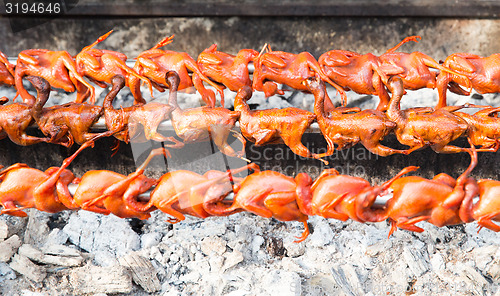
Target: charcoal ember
{"points": [[470, 276], [143, 272], [95, 279], [151, 239], [9, 247], [483, 256], [232, 259], [104, 236], [56, 237], [280, 282], [322, 235], [493, 270], [26, 267], [36, 255], [6, 273], [213, 245], [4, 230], [416, 261], [37, 229], [61, 250]]}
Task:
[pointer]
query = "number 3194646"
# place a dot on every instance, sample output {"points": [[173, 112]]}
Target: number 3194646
{"points": [[33, 8]]}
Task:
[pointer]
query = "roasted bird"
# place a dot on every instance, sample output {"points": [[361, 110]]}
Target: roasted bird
{"points": [[22, 187], [356, 72], [15, 118], [101, 65], [421, 127], [226, 69], [413, 68], [202, 123], [337, 196], [348, 126], [104, 192], [126, 123], [486, 209], [289, 69], [67, 123], [267, 194], [7, 71], [482, 72], [183, 192], [155, 63], [484, 128], [57, 67], [273, 126], [436, 201]]}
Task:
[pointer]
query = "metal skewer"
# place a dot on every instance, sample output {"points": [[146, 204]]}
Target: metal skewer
{"points": [[131, 62], [379, 202], [167, 126]]}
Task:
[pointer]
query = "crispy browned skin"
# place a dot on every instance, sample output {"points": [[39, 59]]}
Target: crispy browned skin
{"points": [[484, 128], [66, 123], [17, 194], [413, 68], [104, 192], [15, 118], [100, 66], [136, 118], [22, 187], [117, 120], [487, 209], [421, 127], [482, 72], [147, 118], [7, 71], [337, 196], [273, 126], [356, 72], [267, 194], [155, 63], [436, 201], [183, 192], [57, 67], [289, 69], [348, 126], [333, 195], [202, 123], [226, 69]]}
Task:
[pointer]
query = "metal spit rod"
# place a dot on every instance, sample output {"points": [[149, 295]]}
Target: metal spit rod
{"points": [[131, 63], [167, 126], [379, 202]]}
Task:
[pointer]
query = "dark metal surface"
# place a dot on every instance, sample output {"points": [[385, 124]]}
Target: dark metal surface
{"points": [[440, 37], [475, 8]]}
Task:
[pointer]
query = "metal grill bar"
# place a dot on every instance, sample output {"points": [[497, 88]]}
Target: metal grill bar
{"points": [[377, 8], [379, 202]]}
